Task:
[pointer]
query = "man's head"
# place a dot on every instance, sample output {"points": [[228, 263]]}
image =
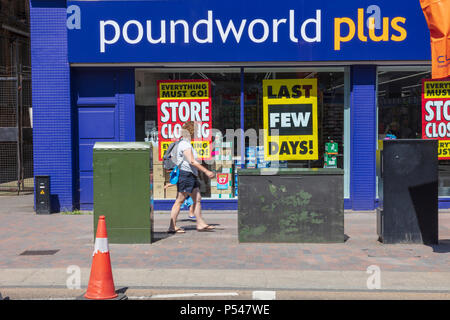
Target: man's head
{"points": [[394, 125], [188, 130]]}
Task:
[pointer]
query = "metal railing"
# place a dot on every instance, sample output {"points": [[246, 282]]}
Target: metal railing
{"points": [[16, 143]]}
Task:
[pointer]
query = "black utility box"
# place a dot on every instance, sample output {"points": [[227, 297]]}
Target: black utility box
{"points": [[291, 205], [407, 172], [42, 190]]}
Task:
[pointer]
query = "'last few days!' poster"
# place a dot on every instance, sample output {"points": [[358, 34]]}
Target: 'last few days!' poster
{"points": [[180, 101], [290, 119]]}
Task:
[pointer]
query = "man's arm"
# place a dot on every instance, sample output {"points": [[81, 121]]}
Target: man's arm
{"points": [[190, 158]]}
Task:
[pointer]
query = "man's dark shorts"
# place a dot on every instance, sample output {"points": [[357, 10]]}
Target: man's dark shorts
{"points": [[187, 182]]}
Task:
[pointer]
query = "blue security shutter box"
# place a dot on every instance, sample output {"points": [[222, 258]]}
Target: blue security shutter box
{"points": [[104, 102]]}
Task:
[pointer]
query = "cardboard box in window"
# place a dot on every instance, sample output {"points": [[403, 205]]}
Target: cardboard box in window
{"points": [[156, 156], [222, 196], [227, 152], [170, 195], [166, 175], [214, 190], [171, 192], [220, 165], [158, 173], [158, 191]]}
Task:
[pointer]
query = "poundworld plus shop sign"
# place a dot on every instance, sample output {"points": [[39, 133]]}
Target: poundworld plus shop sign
{"points": [[169, 31]]}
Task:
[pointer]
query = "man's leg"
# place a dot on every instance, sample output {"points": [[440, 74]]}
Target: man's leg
{"points": [[176, 210], [191, 212], [196, 197]]}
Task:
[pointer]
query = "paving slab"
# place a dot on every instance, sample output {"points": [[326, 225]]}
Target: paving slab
{"points": [[215, 260]]}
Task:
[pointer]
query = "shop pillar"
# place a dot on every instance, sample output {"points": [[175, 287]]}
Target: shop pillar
{"points": [[52, 115], [363, 137]]}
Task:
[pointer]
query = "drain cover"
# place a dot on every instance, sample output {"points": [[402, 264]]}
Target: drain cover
{"points": [[39, 252]]}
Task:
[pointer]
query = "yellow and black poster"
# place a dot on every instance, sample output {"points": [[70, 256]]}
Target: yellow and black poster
{"points": [[290, 119]]}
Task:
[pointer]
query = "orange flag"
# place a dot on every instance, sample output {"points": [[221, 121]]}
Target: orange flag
{"points": [[437, 14]]}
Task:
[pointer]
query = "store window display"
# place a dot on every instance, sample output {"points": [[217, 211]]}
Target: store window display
{"points": [[399, 103], [330, 99], [226, 106], [225, 112], [400, 110]]}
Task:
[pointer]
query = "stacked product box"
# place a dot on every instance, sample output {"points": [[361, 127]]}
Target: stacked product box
{"points": [[223, 154], [279, 164], [236, 192], [330, 155], [250, 157], [158, 175], [222, 184], [171, 192], [161, 177], [260, 162], [237, 166]]}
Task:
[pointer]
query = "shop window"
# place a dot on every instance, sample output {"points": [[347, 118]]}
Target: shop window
{"points": [[225, 98], [226, 94], [400, 104], [400, 110], [330, 103]]}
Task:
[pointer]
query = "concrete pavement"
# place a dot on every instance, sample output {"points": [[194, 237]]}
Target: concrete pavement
{"points": [[216, 260], [186, 294]]}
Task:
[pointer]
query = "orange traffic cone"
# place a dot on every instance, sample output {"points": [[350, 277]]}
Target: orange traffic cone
{"points": [[101, 283]]}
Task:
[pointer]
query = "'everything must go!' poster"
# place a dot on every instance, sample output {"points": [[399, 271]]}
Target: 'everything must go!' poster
{"points": [[436, 114], [290, 119], [180, 101]]}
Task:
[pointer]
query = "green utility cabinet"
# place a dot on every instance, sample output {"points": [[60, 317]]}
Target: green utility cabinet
{"points": [[122, 190]]}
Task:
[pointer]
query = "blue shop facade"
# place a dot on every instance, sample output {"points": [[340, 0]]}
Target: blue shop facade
{"points": [[95, 65]]}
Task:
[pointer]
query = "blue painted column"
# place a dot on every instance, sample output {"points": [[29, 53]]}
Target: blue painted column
{"points": [[242, 109], [52, 114], [126, 98], [363, 137]]}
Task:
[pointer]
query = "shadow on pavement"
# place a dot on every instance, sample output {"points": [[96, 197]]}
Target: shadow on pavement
{"points": [[5, 298], [122, 290], [442, 247], [194, 227], [160, 235]]}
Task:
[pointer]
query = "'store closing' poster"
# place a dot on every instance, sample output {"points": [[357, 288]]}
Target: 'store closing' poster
{"points": [[436, 114], [180, 101], [290, 119]]}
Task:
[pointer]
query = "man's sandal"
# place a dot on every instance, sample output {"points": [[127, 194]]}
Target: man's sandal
{"points": [[208, 228], [179, 230]]}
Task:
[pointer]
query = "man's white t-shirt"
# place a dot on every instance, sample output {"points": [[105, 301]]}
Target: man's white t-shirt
{"points": [[182, 162]]}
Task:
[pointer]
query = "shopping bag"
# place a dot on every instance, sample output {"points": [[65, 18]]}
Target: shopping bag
{"points": [[174, 175]]}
